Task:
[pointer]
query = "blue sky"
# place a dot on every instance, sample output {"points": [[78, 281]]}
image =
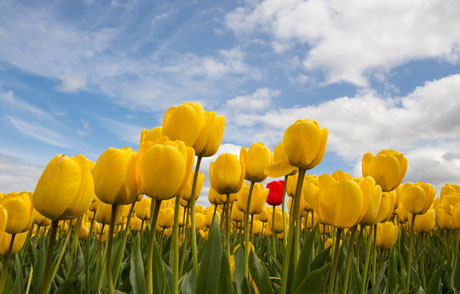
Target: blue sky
{"points": [[82, 76]]}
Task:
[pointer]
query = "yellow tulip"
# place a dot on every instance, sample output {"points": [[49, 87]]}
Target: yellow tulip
{"points": [[278, 221], [40, 219], [104, 214], [227, 174], [444, 220], [186, 193], [135, 224], [424, 223], [372, 195], [388, 168], [151, 135], [386, 207], [142, 208], [184, 122], [456, 215], [3, 220], [340, 202], [237, 214], [417, 198], [20, 212], [450, 189], [263, 216], [305, 143], [163, 167], [310, 191], [292, 185], [209, 215], [211, 135], [216, 198], [280, 166], [166, 218], [387, 234], [5, 241], [65, 189], [83, 233], [115, 177], [258, 198], [256, 159]]}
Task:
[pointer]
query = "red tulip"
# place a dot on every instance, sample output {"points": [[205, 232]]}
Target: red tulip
{"points": [[275, 194]]}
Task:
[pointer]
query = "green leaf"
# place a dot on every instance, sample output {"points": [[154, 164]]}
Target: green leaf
{"points": [[456, 274], [306, 256], [355, 278], [169, 276], [320, 259], [259, 274], [238, 274], [39, 266], [160, 284], [209, 270], [392, 271], [225, 280], [315, 282], [375, 289], [137, 273], [187, 284], [434, 285], [19, 282]]}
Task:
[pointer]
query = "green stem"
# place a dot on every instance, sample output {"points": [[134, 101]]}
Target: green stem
{"points": [[176, 246], [374, 249], [49, 258], [411, 246], [246, 233], [334, 261], [74, 246], [366, 261], [123, 244], [422, 265], [184, 242], [192, 212], [227, 226], [287, 256], [214, 214], [283, 209], [347, 265], [153, 223], [6, 264], [273, 234], [109, 249]]}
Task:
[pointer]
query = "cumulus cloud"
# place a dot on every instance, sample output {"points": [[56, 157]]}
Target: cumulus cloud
{"points": [[351, 40], [424, 125]]}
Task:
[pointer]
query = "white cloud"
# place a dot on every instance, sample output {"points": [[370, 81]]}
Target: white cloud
{"points": [[257, 101], [16, 176], [12, 102], [38, 132], [425, 125], [126, 131], [104, 57], [72, 83], [351, 40]]}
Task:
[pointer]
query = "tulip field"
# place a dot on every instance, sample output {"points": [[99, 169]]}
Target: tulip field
{"points": [[129, 222]]}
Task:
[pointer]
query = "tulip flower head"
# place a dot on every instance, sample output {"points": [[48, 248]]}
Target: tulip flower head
{"points": [[65, 189], [256, 159], [387, 234], [163, 167], [275, 194], [388, 168], [20, 212], [115, 176], [417, 198], [227, 174]]}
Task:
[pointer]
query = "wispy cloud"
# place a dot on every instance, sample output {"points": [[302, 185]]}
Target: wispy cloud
{"points": [[16, 176], [40, 133]]}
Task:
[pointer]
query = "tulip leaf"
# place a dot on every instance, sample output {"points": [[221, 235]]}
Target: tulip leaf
{"points": [[456, 274], [225, 279], [259, 273], [355, 277], [392, 271], [315, 282], [168, 275], [39, 266], [209, 270], [160, 284], [238, 274], [187, 284], [434, 285], [137, 273], [19, 282], [320, 259], [375, 289], [306, 256]]}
